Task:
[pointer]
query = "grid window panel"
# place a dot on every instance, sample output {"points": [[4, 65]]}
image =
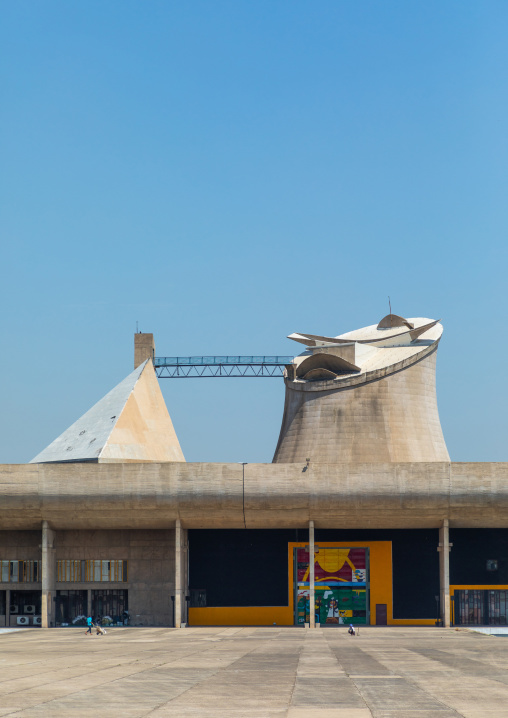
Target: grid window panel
{"points": [[20, 571], [481, 607], [69, 571], [92, 571], [110, 604]]}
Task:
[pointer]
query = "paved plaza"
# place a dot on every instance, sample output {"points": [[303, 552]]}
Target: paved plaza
{"points": [[254, 672]]}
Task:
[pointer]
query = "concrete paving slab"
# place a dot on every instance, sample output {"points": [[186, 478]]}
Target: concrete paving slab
{"points": [[256, 673], [310, 712], [397, 694], [186, 712]]}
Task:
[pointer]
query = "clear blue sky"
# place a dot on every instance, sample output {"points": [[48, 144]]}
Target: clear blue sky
{"points": [[226, 173]]}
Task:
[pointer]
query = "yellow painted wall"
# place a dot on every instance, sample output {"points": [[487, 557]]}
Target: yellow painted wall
{"points": [[381, 591], [241, 616]]}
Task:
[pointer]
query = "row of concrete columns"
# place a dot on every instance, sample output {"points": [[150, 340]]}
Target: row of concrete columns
{"points": [[181, 578], [48, 567], [181, 575]]}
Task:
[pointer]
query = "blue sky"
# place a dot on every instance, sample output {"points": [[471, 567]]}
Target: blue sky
{"points": [[225, 173]]}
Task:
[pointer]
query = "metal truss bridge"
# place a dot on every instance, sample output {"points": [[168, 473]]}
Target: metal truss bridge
{"points": [[233, 366]]}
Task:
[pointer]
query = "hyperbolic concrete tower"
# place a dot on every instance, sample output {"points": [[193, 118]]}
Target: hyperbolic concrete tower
{"points": [[365, 396]]}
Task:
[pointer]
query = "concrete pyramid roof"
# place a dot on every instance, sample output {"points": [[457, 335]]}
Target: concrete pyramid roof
{"points": [[131, 423]]}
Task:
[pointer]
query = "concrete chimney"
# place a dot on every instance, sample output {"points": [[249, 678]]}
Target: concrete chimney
{"points": [[144, 348]]}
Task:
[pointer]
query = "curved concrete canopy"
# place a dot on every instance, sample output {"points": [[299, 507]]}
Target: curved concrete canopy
{"points": [[332, 364], [376, 350], [393, 320], [319, 374], [312, 340]]}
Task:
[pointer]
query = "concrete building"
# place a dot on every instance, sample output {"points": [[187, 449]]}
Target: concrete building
{"points": [[367, 395], [361, 518]]}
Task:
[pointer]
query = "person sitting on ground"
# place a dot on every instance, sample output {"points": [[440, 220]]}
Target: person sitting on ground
{"points": [[351, 630]]}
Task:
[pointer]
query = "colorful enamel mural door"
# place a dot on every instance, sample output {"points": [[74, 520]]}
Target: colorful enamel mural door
{"points": [[341, 585]]}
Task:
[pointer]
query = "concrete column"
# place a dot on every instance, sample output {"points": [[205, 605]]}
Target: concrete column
{"points": [[185, 567], [8, 607], [178, 574], [312, 596], [444, 572], [88, 602], [48, 576]]}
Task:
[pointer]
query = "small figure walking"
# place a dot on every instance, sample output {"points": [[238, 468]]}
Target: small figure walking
{"points": [[351, 630], [89, 623]]}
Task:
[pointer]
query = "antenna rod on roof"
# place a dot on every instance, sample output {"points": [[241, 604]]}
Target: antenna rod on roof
{"points": [[137, 330], [390, 308]]}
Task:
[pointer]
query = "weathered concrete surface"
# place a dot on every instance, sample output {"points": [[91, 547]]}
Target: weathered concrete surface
{"points": [[48, 565], [254, 672], [150, 555], [144, 348], [385, 415], [444, 572], [348, 495]]}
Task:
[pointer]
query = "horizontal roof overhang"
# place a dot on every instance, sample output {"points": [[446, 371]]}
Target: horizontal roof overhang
{"points": [[154, 496]]}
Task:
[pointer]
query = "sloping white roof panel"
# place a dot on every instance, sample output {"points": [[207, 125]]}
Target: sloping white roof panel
{"points": [[85, 439]]}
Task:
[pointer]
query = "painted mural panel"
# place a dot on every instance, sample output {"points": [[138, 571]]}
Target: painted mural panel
{"points": [[340, 585]]}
